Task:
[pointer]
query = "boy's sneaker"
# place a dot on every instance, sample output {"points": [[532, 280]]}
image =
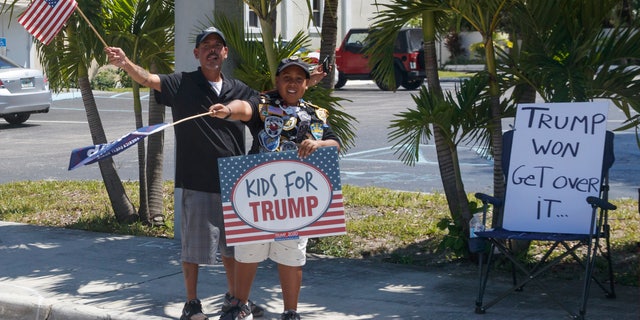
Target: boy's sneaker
{"points": [[229, 308], [192, 310], [236, 311], [244, 313], [256, 310], [290, 315]]}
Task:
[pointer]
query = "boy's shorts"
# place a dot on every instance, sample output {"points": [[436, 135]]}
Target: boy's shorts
{"points": [[291, 253], [202, 227]]}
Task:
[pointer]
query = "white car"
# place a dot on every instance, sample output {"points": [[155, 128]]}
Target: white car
{"points": [[23, 91]]}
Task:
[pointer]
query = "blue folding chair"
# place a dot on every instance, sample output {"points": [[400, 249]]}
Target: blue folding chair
{"points": [[561, 246]]}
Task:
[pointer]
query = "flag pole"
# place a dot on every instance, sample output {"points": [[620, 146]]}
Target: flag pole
{"points": [[191, 117], [90, 25]]}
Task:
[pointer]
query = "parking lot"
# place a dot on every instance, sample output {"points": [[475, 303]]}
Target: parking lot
{"points": [[40, 148]]}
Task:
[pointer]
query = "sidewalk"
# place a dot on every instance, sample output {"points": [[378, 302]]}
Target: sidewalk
{"points": [[52, 273]]}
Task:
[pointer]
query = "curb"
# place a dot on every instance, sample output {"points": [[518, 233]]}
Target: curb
{"points": [[23, 307]]}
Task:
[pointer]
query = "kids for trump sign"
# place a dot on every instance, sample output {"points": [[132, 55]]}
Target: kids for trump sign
{"points": [[277, 196], [555, 164]]}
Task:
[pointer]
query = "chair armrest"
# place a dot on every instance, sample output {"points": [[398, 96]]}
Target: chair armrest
{"points": [[485, 198], [600, 203]]}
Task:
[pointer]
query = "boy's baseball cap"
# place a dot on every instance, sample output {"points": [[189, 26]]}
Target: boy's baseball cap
{"points": [[293, 61], [208, 31]]}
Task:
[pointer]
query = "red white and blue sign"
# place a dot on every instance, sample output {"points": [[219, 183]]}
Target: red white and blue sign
{"points": [[277, 196]]}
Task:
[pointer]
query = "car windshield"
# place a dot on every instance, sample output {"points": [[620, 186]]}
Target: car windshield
{"points": [[357, 38], [415, 39], [6, 64]]}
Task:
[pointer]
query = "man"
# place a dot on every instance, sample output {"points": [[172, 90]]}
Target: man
{"points": [[199, 144], [287, 122]]}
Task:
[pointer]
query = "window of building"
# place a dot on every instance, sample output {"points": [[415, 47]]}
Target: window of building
{"points": [[317, 12], [251, 21]]}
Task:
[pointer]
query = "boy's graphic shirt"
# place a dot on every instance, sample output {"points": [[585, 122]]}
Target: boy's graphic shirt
{"points": [[286, 126]]}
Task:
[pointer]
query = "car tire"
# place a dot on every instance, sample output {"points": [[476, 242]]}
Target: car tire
{"points": [[399, 77], [412, 84], [16, 118], [342, 80]]}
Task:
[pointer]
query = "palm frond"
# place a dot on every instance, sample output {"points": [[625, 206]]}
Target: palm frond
{"points": [[253, 69], [391, 18], [411, 128]]}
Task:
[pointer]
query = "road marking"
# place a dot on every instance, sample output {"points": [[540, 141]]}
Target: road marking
{"points": [[100, 110], [371, 155], [56, 121], [117, 95]]}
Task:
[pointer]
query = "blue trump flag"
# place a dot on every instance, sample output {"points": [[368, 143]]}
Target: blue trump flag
{"points": [[91, 154], [95, 153]]}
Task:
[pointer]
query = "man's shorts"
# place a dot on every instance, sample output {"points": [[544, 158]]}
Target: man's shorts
{"points": [[202, 227], [291, 253]]}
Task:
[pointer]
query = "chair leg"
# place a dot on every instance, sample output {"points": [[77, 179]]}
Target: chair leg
{"points": [[612, 293], [514, 275], [483, 276], [592, 252]]}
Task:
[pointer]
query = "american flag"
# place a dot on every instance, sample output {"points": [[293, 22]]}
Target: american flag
{"points": [[44, 18]]}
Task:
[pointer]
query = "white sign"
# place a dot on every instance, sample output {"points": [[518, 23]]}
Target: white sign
{"points": [[555, 164], [277, 196], [281, 196]]}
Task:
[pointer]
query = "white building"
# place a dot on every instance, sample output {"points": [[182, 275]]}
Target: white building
{"points": [[15, 42], [293, 16]]}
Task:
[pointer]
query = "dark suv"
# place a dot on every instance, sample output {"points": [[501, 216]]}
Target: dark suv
{"points": [[352, 64]]}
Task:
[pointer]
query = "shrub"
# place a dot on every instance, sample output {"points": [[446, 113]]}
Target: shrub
{"points": [[105, 79]]}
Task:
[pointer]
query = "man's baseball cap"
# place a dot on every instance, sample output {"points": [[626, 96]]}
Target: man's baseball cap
{"points": [[206, 32], [293, 61]]}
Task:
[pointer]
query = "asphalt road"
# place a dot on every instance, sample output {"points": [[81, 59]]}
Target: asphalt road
{"points": [[40, 148]]}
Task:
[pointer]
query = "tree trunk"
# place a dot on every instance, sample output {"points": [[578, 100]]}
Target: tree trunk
{"points": [[143, 209], [496, 125], [446, 152], [155, 159], [122, 206], [328, 39]]}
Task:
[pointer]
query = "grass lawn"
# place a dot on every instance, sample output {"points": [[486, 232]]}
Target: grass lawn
{"points": [[382, 224]]}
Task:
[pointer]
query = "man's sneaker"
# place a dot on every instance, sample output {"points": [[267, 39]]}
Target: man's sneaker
{"points": [[290, 315], [256, 310], [193, 311]]}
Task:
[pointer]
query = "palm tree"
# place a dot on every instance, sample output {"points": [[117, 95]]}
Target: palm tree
{"points": [[254, 70], [66, 62], [328, 38], [567, 56], [144, 29], [411, 128], [485, 18], [265, 10]]}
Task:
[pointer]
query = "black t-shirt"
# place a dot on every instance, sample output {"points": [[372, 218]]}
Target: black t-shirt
{"points": [[201, 141]]}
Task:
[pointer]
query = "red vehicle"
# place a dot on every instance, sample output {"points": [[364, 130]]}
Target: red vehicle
{"points": [[352, 63]]}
